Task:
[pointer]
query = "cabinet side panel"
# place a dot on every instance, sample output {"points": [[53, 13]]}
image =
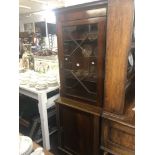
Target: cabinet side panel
{"points": [[119, 33]]}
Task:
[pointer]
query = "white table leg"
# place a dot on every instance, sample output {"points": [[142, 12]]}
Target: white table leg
{"points": [[42, 98]]}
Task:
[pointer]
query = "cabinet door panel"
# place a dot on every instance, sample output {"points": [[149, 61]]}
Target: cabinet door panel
{"points": [[77, 131], [117, 138], [82, 59]]}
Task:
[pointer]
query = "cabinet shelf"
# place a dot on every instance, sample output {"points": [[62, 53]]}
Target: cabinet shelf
{"points": [[85, 76], [80, 39], [83, 80], [67, 55]]}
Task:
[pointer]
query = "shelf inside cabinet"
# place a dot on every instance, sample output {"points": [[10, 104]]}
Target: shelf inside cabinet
{"points": [[77, 87], [82, 56], [86, 39], [82, 75], [80, 83], [85, 79]]}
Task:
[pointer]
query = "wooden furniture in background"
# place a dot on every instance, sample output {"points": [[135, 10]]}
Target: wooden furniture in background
{"points": [[118, 132], [117, 123], [119, 35]]}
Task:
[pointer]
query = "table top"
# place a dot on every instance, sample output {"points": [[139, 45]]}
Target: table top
{"points": [[35, 77], [34, 90]]}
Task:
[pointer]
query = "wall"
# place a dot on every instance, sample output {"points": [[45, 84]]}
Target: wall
{"points": [[47, 16], [71, 2]]}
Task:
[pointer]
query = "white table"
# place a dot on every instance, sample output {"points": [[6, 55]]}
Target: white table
{"points": [[43, 105]]}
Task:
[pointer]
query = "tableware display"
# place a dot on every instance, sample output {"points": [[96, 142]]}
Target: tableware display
{"points": [[32, 83], [52, 82], [22, 70], [78, 73], [92, 36], [87, 50], [85, 73], [25, 145], [95, 52], [81, 73], [40, 85], [38, 80], [24, 81]]}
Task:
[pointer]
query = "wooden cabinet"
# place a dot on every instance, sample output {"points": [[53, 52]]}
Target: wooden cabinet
{"points": [[81, 42], [96, 62], [117, 123], [118, 132], [81, 33], [82, 57], [119, 138], [78, 127]]}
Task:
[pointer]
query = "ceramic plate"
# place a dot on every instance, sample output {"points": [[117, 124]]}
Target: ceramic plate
{"points": [[25, 145]]}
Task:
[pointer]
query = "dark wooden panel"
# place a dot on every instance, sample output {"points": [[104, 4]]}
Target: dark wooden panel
{"points": [[117, 138], [84, 21], [78, 131], [80, 106], [119, 33], [84, 11], [60, 52], [84, 14], [101, 60], [127, 119], [127, 140]]}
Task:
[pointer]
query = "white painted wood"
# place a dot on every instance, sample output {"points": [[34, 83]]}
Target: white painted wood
{"points": [[42, 98], [50, 102], [35, 91], [44, 104], [28, 93]]}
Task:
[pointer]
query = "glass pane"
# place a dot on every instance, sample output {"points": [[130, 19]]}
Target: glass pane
{"points": [[80, 60]]}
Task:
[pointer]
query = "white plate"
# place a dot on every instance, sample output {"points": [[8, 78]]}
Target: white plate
{"points": [[41, 87], [25, 145], [24, 82], [38, 151]]}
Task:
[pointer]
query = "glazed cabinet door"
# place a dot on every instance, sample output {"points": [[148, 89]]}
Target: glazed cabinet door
{"points": [[81, 57]]}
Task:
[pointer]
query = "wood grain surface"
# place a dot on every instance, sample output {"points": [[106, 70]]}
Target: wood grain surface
{"points": [[119, 34]]}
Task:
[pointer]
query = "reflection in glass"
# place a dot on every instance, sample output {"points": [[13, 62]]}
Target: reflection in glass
{"points": [[80, 61]]}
